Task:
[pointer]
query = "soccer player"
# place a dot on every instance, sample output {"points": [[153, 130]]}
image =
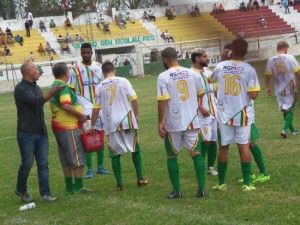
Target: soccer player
{"points": [[177, 91], [254, 147], [118, 101], [84, 78], [66, 113], [208, 110], [238, 86], [284, 67]]}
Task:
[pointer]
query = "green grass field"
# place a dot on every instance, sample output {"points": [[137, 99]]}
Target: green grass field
{"points": [[274, 202]]}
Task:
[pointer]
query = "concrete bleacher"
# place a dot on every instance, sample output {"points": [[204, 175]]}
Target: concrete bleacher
{"points": [[22, 53], [247, 22], [297, 7], [186, 28]]}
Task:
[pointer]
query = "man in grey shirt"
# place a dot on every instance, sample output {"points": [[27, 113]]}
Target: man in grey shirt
{"points": [[32, 132]]}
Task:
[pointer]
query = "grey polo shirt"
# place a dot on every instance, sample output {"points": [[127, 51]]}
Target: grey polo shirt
{"points": [[30, 102]]}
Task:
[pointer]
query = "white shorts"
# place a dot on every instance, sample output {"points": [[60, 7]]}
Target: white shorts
{"points": [[188, 139], [208, 129], [122, 141], [237, 134], [285, 102]]}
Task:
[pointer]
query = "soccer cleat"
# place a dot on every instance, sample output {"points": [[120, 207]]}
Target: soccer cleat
{"points": [[212, 171], [252, 178], [262, 178], [48, 198], [25, 196], [83, 190], [89, 174], [120, 188], [201, 193], [283, 134], [222, 187], [102, 170], [295, 132], [142, 182], [248, 188], [174, 194]]}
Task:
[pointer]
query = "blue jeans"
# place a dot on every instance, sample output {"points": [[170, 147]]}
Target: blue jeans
{"points": [[33, 146]]}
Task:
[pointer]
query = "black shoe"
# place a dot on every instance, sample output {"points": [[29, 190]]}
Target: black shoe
{"points": [[174, 194], [201, 193]]}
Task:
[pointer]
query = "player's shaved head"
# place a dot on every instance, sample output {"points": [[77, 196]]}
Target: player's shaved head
{"points": [[169, 54], [282, 45], [239, 47], [26, 66]]}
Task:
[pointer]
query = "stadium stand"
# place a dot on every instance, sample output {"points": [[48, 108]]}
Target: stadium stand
{"points": [[297, 7], [236, 21]]}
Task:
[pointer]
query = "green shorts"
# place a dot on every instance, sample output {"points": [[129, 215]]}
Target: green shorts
{"points": [[254, 133]]}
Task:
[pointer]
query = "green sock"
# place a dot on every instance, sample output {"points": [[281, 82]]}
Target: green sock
{"points": [[257, 155], [291, 127], [89, 161], [69, 184], [246, 170], [173, 169], [78, 184], [204, 148], [100, 157], [222, 168], [199, 165], [288, 120], [137, 161], [116, 165], [211, 155]]}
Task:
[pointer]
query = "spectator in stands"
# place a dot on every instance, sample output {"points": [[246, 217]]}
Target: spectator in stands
{"points": [[49, 49], [263, 2], [52, 24], [2, 40], [6, 51], [101, 20], [9, 40], [193, 12], [31, 57], [153, 55], [163, 35], [256, 5], [187, 56], [42, 26], [145, 17], [64, 47], [168, 36], [221, 8], [1, 31], [8, 32], [250, 6], [68, 38], [215, 9], [169, 14], [243, 7], [27, 27], [106, 28], [127, 63], [19, 39], [197, 11], [30, 19], [68, 24], [60, 39], [286, 6], [129, 18], [78, 38], [120, 23], [151, 16], [291, 2], [41, 49], [262, 20]]}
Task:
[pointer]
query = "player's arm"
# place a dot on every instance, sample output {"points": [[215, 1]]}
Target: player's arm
{"points": [[95, 114], [268, 74], [71, 111], [135, 107], [161, 108], [297, 74]]}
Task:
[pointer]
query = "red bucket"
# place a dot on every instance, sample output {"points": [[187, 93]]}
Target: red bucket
{"points": [[94, 141]]}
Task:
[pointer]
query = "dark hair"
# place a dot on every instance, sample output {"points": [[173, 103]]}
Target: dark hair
{"points": [[86, 45], [196, 53], [169, 53], [59, 69], [107, 67], [282, 45], [239, 47]]}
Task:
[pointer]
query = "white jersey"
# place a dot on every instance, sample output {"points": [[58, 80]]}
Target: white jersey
{"points": [[84, 80], [283, 67], [113, 96], [30, 16], [208, 100], [181, 87], [235, 79]]}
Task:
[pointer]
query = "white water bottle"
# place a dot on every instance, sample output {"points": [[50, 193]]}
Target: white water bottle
{"points": [[27, 207]]}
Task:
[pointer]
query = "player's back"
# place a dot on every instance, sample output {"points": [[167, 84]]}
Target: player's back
{"points": [[180, 87]]}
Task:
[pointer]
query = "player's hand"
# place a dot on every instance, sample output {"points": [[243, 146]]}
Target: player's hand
{"points": [[162, 130], [268, 91], [58, 88], [82, 118], [90, 131], [204, 112]]}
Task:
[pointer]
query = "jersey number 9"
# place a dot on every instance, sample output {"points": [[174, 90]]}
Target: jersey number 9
{"points": [[182, 87]]}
